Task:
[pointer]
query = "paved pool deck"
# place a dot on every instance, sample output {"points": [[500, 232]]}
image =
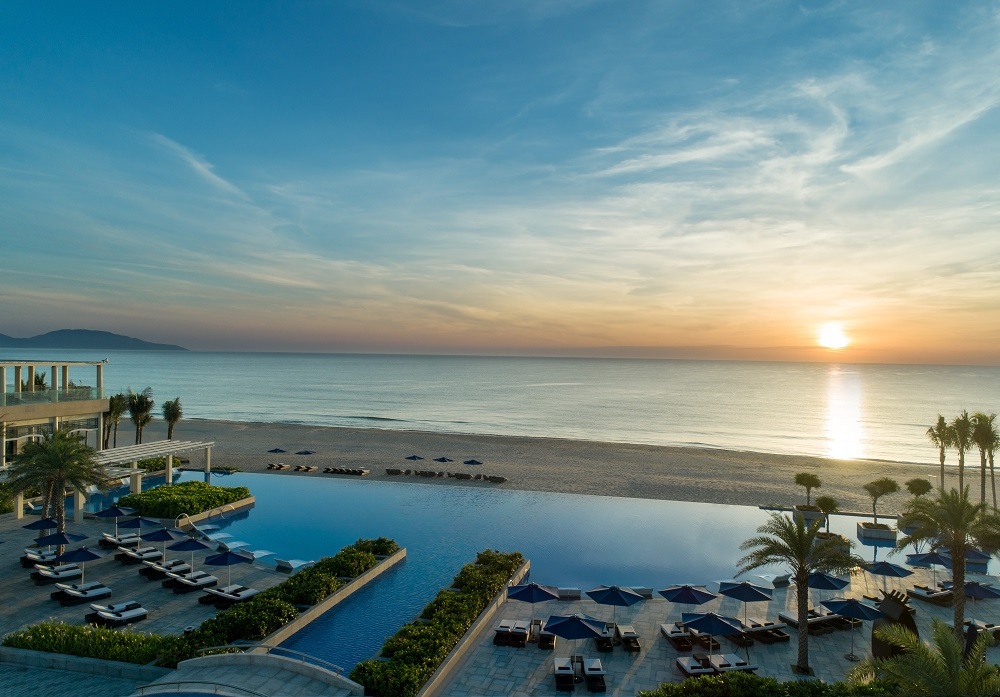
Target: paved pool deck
{"points": [[488, 670]]}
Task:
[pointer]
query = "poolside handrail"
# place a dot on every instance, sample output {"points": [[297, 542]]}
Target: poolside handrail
{"points": [[179, 516], [177, 684], [274, 648]]}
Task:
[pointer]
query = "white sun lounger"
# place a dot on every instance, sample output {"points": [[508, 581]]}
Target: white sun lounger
{"points": [[51, 574], [120, 619], [725, 663], [127, 555], [185, 583], [68, 594], [155, 569], [690, 666], [228, 595]]}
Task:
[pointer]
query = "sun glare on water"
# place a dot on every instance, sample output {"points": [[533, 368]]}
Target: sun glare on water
{"points": [[831, 335]]}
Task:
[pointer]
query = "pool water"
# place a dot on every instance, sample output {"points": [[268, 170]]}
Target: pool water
{"points": [[572, 540]]}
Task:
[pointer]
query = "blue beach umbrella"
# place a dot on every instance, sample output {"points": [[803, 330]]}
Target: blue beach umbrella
{"points": [[576, 626], [887, 570], [532, 593], [229, 559], [166, 535], [277, 450], [615, 596], [59, 538], [116, 512], [190, 545], [932, 559], [138, 523], [979, 591], [472, 462], [42, 524], [745, 592], [305, 452], [686, 594], [819, 580], [413, 458], [711, 623], [443, 459], [854, 609], [79, 556]]}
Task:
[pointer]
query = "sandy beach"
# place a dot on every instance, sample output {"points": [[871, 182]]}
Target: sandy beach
{"points": [[547, 464]]}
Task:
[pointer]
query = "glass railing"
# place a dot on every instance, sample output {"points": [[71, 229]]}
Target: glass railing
{"points": [[76, 394]]}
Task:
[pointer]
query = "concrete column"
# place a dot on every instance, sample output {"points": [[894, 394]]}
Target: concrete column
{"points": [[135, 482], [17, 378], [31, 378], [3, 443], [3, 378], [79, 500], [18, 506], [170, 468], [100, 432], [65, 377], [100, 378], [208, 460], [53, 379]]}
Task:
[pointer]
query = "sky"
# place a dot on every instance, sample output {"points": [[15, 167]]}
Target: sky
{"points": [[542, 177]]}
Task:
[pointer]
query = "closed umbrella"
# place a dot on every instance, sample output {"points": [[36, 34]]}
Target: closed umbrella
{"points": [[190, 545], [229, 559], [78, 556], [532, 593], [616, 596], [854, 609]]}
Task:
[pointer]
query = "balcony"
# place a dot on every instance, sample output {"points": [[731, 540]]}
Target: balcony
{"points": [[41, 404], [75, 394]]}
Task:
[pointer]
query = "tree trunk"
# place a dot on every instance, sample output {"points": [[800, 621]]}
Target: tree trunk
{"points": [[48, 504], [982, 477], [60, 491], [961, 471], [170, 430], [802, 599], [958, 587], [138, 434], [941, 459], [116, 434], [993, 483]]}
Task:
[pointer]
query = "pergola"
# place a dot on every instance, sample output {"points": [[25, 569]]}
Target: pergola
{"points": [[113, 459]]}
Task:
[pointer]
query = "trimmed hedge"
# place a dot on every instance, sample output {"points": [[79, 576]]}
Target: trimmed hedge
{"points": [[251, 620], [186, 497], [416, 650], [738, 684]]}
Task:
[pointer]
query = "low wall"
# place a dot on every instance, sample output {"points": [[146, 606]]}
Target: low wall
{"points": [[189, 520], [467, 642], [79, 664], [337, 597], [262, 660]]}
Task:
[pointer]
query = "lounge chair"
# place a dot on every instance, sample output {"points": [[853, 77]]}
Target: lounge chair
{"points": [[593, 673], [109, 541], [546, 640], [562, 668], [606, 642], [117, 607], [34, 555], [629, 638], [73, 594], [944, 598], [155, 570], [128, 555], [705, 641], [119, 618], [725, 663], [678, 636], [501, 633], [192, 582], [691, 666], [519, 634], [767, 632], [173, 578], [226, 597], [52, 574]]}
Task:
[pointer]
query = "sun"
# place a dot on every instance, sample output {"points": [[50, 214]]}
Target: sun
{"points": [[831, 335]]}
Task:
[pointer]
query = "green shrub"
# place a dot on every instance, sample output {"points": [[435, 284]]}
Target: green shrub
{"points": [[416, 650], [381, 547], [90, 641], [307, 587], [738, 684], [6, 499], [186, 497], [349, 562]]}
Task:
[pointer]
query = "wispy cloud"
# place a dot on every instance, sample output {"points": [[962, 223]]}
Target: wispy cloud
{"points": [[198, 165]]}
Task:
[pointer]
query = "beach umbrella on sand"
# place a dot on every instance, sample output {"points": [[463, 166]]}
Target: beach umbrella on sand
{"points": [[616, 596], [443, 459], [229, 559], [745, 592], [473, 462], [277, 450], [853, 609], [532, 593], [166, 535], [576, 626], [79, 556], [710, 623], [304, 452], [116, 512], [190, 545], [413, 458]]}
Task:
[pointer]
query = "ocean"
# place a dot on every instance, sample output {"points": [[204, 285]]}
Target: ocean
{"points": [[825, 410]]}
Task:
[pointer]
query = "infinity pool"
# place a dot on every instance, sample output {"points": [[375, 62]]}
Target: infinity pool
{"points": [[571, 540]]}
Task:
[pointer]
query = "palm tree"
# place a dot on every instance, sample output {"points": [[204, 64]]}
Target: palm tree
{"points": [[172, 413], [140, 409], [60, 460], [984, 435], [940, 435], [961, 440], [791, 542], [951, 520], [117, 406], [39, 383], [931, 669], [809, 481]]}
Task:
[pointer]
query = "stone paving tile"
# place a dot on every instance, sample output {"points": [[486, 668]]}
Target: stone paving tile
{"points": [[482, 670], [19, 681]]}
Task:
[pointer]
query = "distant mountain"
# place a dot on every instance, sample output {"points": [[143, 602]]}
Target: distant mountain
{"points": [[84, 339]]}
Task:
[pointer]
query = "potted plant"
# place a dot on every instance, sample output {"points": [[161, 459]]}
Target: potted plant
{"points": [[917, 488], [828, 505], [808, 511], [876, 530]]}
